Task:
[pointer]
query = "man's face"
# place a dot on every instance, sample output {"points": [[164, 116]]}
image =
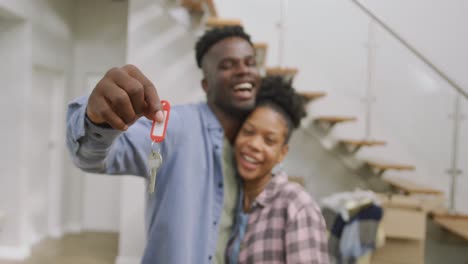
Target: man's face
{"points": [[231, 78]]}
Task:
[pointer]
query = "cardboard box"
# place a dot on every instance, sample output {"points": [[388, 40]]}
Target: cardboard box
{"points": [[404, 223], [399, 251], [433, 203], [404, 217]]}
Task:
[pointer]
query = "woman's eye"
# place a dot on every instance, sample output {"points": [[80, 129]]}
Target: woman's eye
{"points": [[248, 131], [251, 62], [270, 141]]}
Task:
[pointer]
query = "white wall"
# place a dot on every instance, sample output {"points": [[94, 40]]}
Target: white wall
{"points": [[18, 9], [15, 52], [42, 40], [100, 44], [164, 51], [328, 40], [436, 28], [52, 22]]}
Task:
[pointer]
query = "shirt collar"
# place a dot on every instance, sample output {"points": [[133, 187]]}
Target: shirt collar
{"points": [[272, 189], [209, 119]]}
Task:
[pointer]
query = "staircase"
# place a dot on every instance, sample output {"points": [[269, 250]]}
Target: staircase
{"points": [[324, 124], [377, 168]]}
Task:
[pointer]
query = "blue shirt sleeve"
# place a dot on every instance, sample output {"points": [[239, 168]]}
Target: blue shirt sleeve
{"points": [[105, 150]]}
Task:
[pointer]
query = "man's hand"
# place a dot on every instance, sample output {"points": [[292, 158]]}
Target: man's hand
{"points": [[121, 97]]}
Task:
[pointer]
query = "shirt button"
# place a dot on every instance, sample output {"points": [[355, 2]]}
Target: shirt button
{"points": [[214, 223], [209, 257], [220, 185]]}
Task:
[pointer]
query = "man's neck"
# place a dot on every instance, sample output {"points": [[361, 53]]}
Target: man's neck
{"points": [[230, 123]]}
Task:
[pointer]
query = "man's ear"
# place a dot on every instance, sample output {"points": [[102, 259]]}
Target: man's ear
{"points": [[204, 85]]}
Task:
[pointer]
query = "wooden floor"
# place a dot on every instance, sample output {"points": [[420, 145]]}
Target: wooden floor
{"points": [[102, 248], [83, 248]]}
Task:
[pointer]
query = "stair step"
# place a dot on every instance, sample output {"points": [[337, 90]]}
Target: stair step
{"points": [[334, 119], [296, 179], [311, 96], [286, 72], [381, 167], [261, 52], [214, 22], [455, 223], [362, 143], [210, 7], [193, 6], [390, 166], [410, 187]]}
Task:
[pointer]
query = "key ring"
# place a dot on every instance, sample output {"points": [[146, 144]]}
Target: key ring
{"points": [[157, 152]]}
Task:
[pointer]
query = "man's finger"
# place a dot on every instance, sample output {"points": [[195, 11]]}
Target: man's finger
{"points": [[121, 104], [153, 103], [132, 87], [113, 119]]}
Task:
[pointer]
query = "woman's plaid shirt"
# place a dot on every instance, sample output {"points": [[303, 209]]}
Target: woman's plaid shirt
{"points": [[285, 226]]}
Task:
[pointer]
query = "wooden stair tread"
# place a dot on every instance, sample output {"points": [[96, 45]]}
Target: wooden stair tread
{"points": [[310, 96], [281, 71], [457, 224], [335, 119], [199, 6], [363, 142], [193, 5], [399, 201], [260, 45], [261, 52], [411, 187], [211, 7], [222, 22], [390, 166]]}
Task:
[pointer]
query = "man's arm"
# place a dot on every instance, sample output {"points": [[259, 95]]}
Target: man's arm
{"points": [[100, 149], [95, 124]]}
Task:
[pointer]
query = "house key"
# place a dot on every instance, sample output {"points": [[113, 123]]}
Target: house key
{"points": [[158, 132]]}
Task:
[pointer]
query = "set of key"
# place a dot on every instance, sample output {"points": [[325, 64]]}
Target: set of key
{"points": [[154, 163], [158, 132]]}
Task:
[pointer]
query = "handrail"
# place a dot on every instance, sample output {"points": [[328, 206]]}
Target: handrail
{"points": [[457, 87]]}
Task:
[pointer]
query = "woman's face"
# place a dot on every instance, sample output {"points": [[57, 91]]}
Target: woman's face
{"points": [[260, 143]]}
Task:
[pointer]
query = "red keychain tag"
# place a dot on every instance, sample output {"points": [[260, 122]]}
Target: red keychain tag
{"points": [[158, 130]]}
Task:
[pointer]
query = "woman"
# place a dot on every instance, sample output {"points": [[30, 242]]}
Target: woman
{"points": [[277, 221]]}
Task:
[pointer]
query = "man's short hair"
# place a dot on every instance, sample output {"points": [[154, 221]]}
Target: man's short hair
{"points": [[214, 36]]}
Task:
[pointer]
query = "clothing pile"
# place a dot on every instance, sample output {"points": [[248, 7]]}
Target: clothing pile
{"points": [[352, 220]]}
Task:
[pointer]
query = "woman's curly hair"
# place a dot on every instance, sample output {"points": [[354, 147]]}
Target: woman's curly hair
{"points": [[279, 94]]}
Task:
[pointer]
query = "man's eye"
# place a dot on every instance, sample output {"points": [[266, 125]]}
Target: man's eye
{"points": [[227, 64]]}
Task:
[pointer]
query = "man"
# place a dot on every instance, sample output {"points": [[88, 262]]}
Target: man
{"points": [[190, 213]]}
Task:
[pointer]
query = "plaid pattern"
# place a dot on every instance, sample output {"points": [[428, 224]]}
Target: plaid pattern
{"points": [[285, 226]]}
